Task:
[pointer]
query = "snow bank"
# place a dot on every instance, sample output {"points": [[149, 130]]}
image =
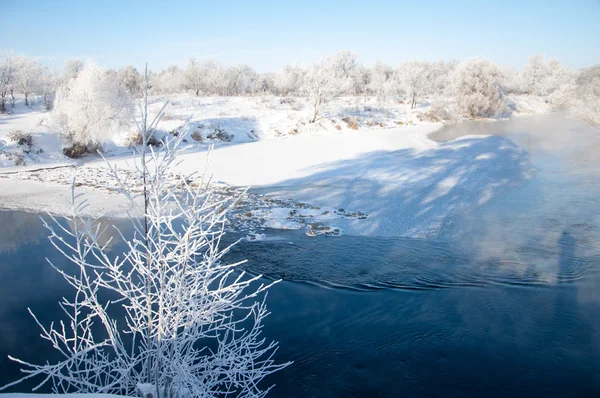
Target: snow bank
{"points": [[389, 182], [377, 180]]}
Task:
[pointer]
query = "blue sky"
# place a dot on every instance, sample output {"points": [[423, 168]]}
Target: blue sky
{"points": [[269, 34]]}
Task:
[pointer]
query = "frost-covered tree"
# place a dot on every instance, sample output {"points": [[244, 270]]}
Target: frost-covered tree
{"points": [[547, 79], [511, 79], [169, 318], [7, 78], [28, 76], [265, 83], [193, 76], [91, 107], [240, 80], [131, 79], [71, 69], [441, 72], [347, 71], [533, 74], [168, 81], [558, 76], [47, 88], [585, 99], [208, 78], [380, 79], [415, 80], [587, 76], [289, 80], [329, 78], [476, 86], [215, 81]]}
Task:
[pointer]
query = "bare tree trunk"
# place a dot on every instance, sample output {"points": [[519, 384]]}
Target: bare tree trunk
{"points": [[315, 110]]}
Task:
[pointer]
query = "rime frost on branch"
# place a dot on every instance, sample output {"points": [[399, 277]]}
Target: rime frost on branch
{"points": [[167, 316]]}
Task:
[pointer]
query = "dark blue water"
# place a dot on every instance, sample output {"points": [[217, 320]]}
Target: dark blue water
{"points": [[511, 308]]}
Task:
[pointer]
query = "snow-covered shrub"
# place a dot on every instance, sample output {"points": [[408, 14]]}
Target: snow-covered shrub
{"points": [[136, 139], [21, 138], [78, 150], [218, 133], [91, 107], [440, 111], [476, 87], [167, 318]]}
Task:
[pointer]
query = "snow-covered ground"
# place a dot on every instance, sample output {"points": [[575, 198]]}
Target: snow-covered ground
{"points": [[364, 168]]}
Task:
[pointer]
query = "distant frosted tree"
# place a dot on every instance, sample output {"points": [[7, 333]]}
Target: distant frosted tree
{"points": [[476, 86], [29, 76], [533, 74], [47, 88], [215, 80], [240, 80], [558, 76], [71, 69], [587, 76], [415, 80], [289, 80], [265, 83], [170, 81], [380, 79], [90, 107], [546, 78], [585, 100], [511, 79], [441, 73], [329, 78], [7, 78], [131, 79], [347, 71], [193, 75]]}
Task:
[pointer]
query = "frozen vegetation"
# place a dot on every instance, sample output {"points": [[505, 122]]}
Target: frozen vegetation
{"points": [[328, 148], [168, 317]]}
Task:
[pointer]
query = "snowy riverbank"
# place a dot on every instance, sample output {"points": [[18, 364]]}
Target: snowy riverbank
{"points": [[387, 182]]}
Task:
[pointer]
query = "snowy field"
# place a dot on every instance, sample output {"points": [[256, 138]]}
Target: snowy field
{"points": [[364, 168]]}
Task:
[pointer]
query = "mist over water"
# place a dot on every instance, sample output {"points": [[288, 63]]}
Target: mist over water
{"points": [[508, 306]]}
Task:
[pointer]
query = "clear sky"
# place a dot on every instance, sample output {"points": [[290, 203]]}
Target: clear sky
{"points": [[269, 34]]}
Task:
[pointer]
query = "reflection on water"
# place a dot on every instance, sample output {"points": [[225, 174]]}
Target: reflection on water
{"points": [[512, 308], [17, 229]]}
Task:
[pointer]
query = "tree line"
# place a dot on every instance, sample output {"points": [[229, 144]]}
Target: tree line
{"points": [[475, 87]]}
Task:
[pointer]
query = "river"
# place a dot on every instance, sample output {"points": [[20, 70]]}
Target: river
{"points": [[508, 306]]}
